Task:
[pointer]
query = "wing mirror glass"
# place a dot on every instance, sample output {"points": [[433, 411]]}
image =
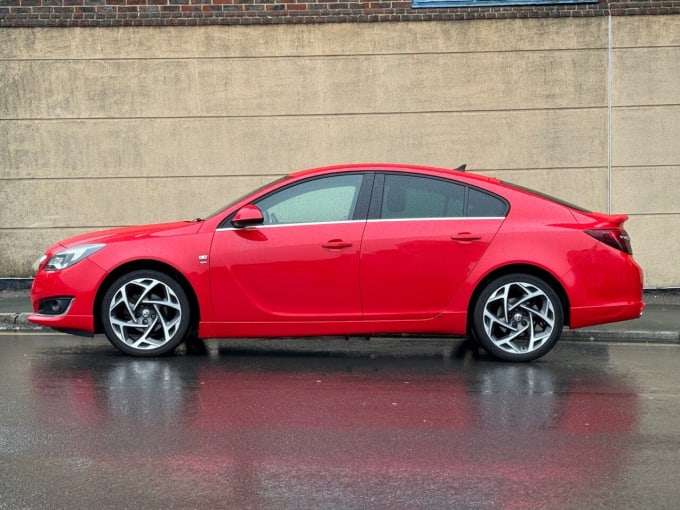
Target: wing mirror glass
{"points": [[247, 216]]}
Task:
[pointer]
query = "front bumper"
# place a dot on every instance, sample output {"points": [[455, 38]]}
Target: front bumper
{"points": [[65, 300]]}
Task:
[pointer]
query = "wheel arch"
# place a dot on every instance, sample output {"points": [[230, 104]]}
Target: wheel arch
{"points": [[528, 269], [149, 265]]}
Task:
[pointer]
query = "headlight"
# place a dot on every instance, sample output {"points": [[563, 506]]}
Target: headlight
{"points": [[66, 258], [38, 263]]}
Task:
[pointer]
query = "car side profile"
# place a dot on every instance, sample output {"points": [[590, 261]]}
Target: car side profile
{"points": [[361, 249]]}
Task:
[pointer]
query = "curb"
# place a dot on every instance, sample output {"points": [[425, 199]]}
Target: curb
{"points": [[15, 283], [631, 336], [18, 322]]}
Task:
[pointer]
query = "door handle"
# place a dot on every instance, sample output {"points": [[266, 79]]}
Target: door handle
{"points": [[466, 237], [337, 244]]}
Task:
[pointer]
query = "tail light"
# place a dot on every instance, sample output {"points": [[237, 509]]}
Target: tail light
{"points": [[617, 238]]}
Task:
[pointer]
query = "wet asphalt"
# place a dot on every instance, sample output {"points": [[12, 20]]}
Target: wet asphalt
{"points": [[336, 425]]}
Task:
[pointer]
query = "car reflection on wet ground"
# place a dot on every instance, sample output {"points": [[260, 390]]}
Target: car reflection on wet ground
{"points": [[345, 424]]}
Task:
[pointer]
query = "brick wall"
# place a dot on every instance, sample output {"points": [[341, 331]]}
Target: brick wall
{"points": [[70, 13]]}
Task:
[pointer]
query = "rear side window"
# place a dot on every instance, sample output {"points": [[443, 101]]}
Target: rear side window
{"points": [[484, 205], [412, 196], [406, 196]]}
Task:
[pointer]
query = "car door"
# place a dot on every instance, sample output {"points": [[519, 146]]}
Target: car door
{"points": [[302, 263], [423, 238]]}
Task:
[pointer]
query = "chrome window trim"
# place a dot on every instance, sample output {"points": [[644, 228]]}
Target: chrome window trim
{"points": [[440, 218], [390, 220], [279, 225]]}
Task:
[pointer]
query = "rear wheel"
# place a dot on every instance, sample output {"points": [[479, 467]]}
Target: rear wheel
{"points": [[518, 317], [145, 313]]}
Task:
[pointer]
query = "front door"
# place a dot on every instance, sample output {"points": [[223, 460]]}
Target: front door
{"points": [[301, 264]]}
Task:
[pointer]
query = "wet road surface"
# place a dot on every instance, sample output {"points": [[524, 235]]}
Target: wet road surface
{"points": [[337, 425]]}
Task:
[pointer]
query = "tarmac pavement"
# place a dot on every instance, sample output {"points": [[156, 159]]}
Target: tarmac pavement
{"points": [[660, 322]]}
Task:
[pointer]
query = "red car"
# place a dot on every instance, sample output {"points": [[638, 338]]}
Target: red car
{"points": [[366, 249]]}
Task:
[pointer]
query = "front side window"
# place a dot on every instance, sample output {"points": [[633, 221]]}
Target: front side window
{"points": [[325, 199]]}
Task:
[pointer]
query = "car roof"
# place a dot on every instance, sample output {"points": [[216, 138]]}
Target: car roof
{"points": [[395, 167]]}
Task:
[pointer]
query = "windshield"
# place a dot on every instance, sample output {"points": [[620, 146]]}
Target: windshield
{"points": [[252, 192]]}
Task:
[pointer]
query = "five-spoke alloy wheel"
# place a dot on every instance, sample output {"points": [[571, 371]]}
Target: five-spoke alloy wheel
{"points": [[518, 317], [145, 313]]}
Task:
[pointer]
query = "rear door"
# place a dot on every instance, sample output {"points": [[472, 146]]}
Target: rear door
{"points": [[423, 238]]}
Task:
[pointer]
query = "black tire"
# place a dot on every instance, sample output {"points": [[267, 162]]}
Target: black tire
{"points": [[145, 313], [517, 317]]}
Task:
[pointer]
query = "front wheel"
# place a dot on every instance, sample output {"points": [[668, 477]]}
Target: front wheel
{"points": [[145, 313], [517, 317]]}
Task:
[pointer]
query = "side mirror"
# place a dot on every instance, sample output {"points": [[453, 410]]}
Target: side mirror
{"points": [[247, 216]]}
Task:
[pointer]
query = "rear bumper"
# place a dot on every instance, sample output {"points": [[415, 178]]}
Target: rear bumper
{"points": [[610, 292], [592, 315]]}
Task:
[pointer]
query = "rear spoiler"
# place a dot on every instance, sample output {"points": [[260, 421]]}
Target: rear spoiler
{"points": [[615, 220]]}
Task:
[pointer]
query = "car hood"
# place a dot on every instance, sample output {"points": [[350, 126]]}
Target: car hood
{"points": [[121, 234]]}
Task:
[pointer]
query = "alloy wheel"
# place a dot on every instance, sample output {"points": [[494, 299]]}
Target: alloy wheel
{"points": [[519, 318], [145, 314]]}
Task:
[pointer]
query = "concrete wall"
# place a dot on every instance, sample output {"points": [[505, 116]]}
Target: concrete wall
{"points": [[103, 127]]}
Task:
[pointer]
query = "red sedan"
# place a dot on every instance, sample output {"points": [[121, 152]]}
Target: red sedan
{"points": [[367, 249]]}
